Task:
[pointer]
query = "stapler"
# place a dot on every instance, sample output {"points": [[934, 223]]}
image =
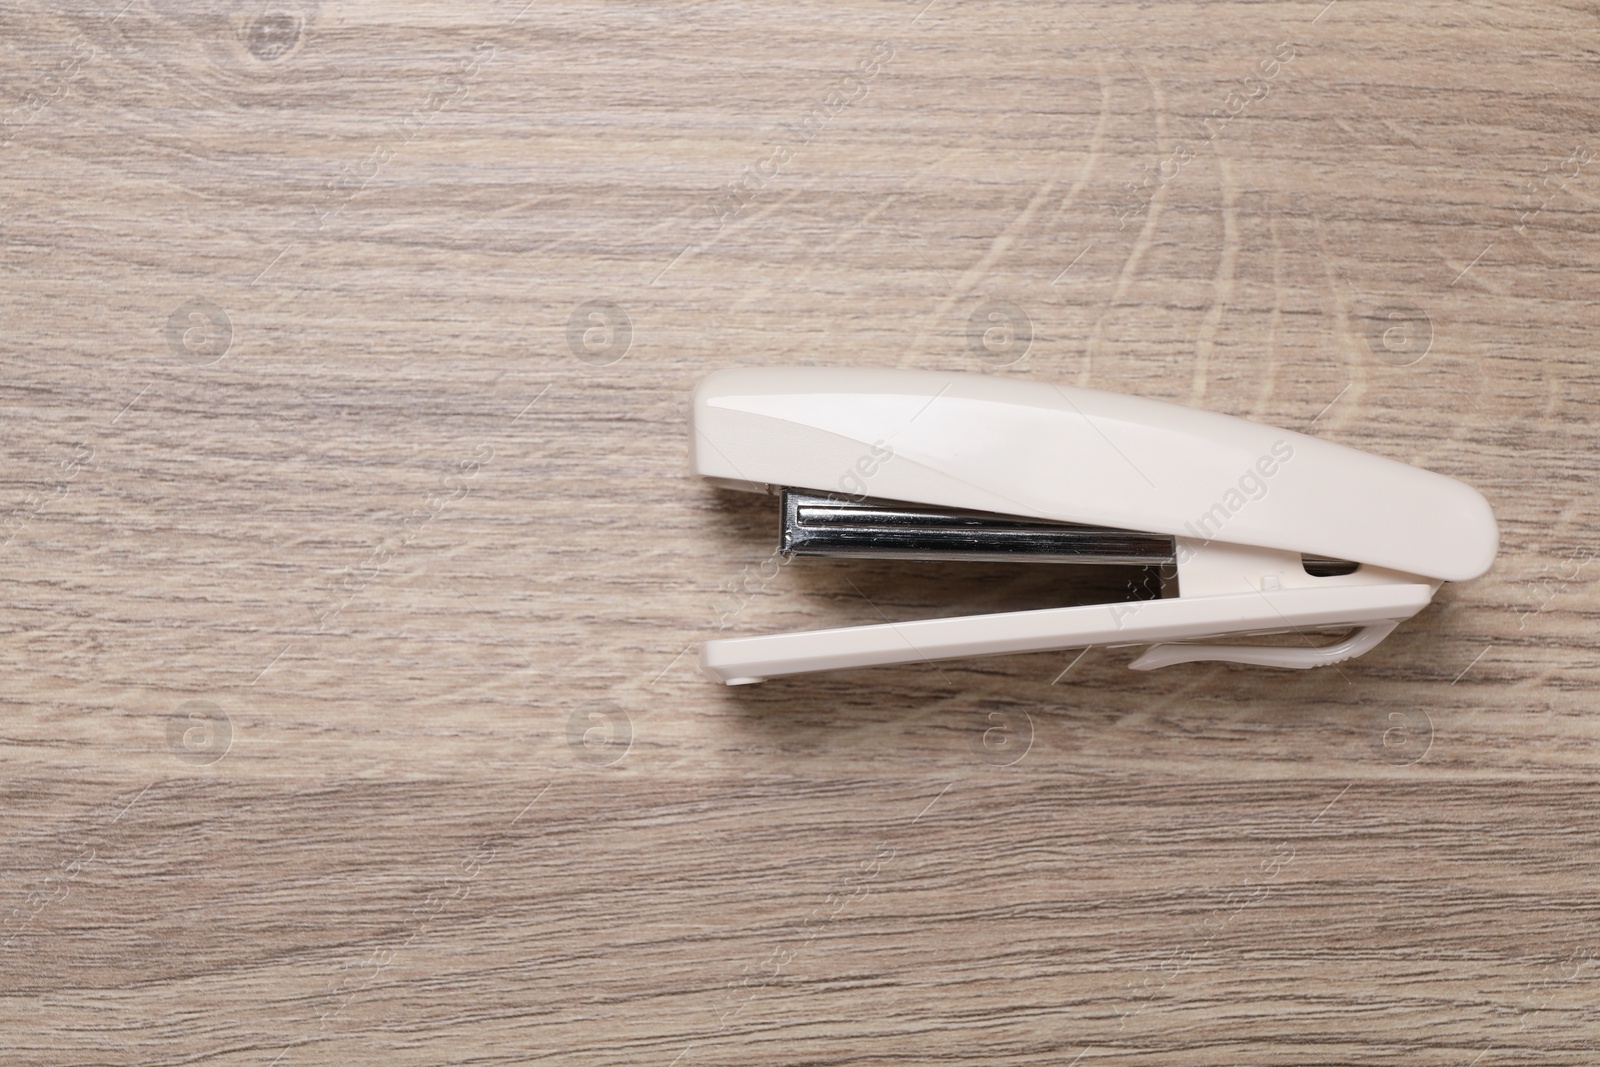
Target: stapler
{"points": [[1257, 530]]}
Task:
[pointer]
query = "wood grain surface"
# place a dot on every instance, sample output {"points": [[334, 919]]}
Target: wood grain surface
{"points": [[353, 574]]}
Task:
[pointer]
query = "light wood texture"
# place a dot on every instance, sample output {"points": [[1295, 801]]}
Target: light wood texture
{"points": [[348, 712]]}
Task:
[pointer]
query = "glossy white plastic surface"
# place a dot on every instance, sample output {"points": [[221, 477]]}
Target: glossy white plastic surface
{"points": [[1081, 455], [737, 661]]}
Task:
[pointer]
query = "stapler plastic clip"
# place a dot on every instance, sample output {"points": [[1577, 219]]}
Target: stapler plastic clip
{"points": [[1259, 530]]}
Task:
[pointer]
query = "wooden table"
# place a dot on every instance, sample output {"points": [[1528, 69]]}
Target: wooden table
{"points": [[353, 572]]}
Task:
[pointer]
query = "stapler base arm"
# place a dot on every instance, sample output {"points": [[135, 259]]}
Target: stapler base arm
{"points": [[1375, 608]]}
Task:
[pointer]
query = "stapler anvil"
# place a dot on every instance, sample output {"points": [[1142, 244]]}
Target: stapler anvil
{"points": [[1259, 530]]}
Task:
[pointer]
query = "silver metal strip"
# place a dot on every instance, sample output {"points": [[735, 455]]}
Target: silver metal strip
{"points": [[815, 524]]}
